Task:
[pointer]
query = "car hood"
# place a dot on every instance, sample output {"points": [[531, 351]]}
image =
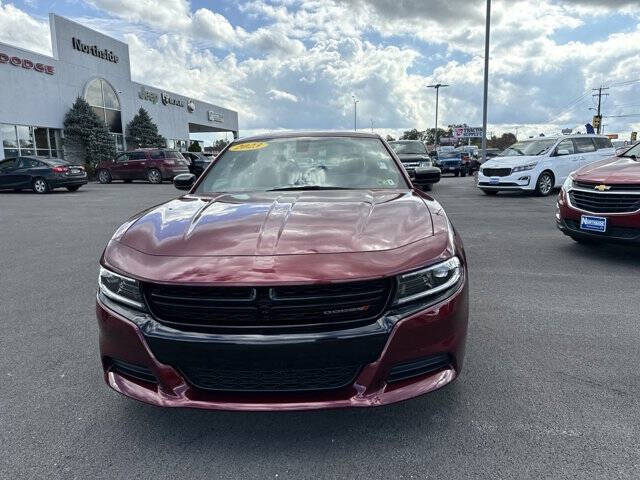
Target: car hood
{"points": [[611, 170], [281, 223], [510, 162]]}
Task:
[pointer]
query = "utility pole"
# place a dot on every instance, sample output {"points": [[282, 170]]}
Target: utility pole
{"points": [[486, 81], [600, 95], [437, 87], [355, 113]]}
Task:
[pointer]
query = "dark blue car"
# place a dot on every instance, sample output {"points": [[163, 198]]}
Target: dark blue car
{"points": [[452, 162], [40, 174]]}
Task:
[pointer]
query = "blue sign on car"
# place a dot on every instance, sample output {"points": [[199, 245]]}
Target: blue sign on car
{"points": [[594, 224]]}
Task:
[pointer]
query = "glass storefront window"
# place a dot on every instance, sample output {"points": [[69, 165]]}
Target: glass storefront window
{"points": [[26, 140], [103, 100], [119, 139]]}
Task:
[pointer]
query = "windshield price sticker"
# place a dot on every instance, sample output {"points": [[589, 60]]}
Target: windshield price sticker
{"points": [[243, 147]]}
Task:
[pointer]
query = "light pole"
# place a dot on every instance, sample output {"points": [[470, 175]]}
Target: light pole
{"points": [[437, 87], [486, 81], [355, 113]]}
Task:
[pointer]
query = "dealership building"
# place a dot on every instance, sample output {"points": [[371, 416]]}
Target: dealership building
{"points": [[38, 90]]}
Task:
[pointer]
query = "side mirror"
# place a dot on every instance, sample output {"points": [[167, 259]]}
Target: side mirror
{"points": [[563, 151], [427, 175], [184, 181]]}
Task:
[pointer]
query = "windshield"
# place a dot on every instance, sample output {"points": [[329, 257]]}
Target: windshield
{"points": [[632, 152], [409, 148], [530, 147], [303, 162]]}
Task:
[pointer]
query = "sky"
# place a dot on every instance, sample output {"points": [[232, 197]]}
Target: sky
{"points": [[294, 64]]}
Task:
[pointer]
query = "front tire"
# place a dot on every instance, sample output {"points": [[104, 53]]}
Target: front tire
{"points": [[40, 185], [104, 176], [154, 176], [544, 185]]}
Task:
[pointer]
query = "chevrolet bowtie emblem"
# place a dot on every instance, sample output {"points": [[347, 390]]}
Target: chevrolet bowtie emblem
{"points": [[602, 188]]}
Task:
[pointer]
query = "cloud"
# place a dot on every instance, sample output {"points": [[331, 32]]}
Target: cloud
{"points": [[280, 95], [19, 28]]}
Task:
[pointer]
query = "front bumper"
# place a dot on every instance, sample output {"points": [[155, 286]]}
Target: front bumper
{"points": [[621, 228], [518, 181], [437, 330]]}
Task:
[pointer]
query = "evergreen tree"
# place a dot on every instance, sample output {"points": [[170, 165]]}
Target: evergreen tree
{"points": [[143, 133], [85, 129], [195, 147]]}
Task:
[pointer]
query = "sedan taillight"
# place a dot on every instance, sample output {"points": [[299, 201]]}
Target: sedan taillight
{"points": [[60, 169]]}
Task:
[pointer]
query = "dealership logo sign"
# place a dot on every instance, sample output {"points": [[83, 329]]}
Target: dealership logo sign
{"points": [[169, 100], [191, 106], [27, 64], [94, 50], [148, 95], [215, 116]]}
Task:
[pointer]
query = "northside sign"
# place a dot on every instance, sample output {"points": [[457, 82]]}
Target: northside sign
{"points": [[94, 50]]}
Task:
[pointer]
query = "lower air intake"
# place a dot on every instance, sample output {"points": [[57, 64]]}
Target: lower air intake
{"points": [[420, 366]]}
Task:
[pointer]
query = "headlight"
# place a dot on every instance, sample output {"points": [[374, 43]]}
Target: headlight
{"points": [[425, 164], [522, 168], [120, 289], [568, 183], [428, 281]]}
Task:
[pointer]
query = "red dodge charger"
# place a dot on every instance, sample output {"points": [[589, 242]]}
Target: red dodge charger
{"points": [[601, 201], [300, 271]]}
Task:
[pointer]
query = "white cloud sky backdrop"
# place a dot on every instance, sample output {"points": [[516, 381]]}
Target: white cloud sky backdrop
{"points": [[294, 64]]}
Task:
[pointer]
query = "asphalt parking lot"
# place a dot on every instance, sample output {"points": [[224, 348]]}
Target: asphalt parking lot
{"points": [[550, 389]]}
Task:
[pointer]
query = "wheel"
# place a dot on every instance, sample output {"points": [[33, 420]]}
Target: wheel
{"points": [[73, 188], [154, 176], [490, 192], [40, 185], [128, 180], [457, 173], [104, 176], [544, 185]]}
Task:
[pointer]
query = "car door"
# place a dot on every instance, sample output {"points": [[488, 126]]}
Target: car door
{"points": [[119, 168], [137, 168], [564, 160], [7, 172], [26, 170], [586, 151]]}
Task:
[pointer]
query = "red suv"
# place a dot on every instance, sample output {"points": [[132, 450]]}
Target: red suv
{"points": [[601, 201], [154, 165], [300, 271]]}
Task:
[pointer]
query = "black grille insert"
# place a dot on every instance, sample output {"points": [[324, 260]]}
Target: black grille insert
{"points": [[597, 202], [496, 172], [420, 366], [271, 380], [135, 371], [339, 305], [612, 188]]}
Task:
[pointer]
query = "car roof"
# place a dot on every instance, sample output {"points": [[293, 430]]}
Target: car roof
{"points": [[301, 134]]}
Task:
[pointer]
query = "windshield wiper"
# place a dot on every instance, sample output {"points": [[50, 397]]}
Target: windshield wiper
{"points": [[307, 187]]}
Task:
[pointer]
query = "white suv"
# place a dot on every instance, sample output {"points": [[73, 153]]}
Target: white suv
{"points": [[540, 164]]}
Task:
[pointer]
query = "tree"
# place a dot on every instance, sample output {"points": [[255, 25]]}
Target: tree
{"points": [[411, 135], [219, 145], [84, 129], [390, 138], [429, 135], [195, 147], [142, 132], [506, 140]]}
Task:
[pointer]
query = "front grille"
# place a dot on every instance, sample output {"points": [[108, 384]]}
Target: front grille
{"points": [[309, 307], [411, 164], [496, 172], [271, 380], [612, 188], [597, 202]]}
